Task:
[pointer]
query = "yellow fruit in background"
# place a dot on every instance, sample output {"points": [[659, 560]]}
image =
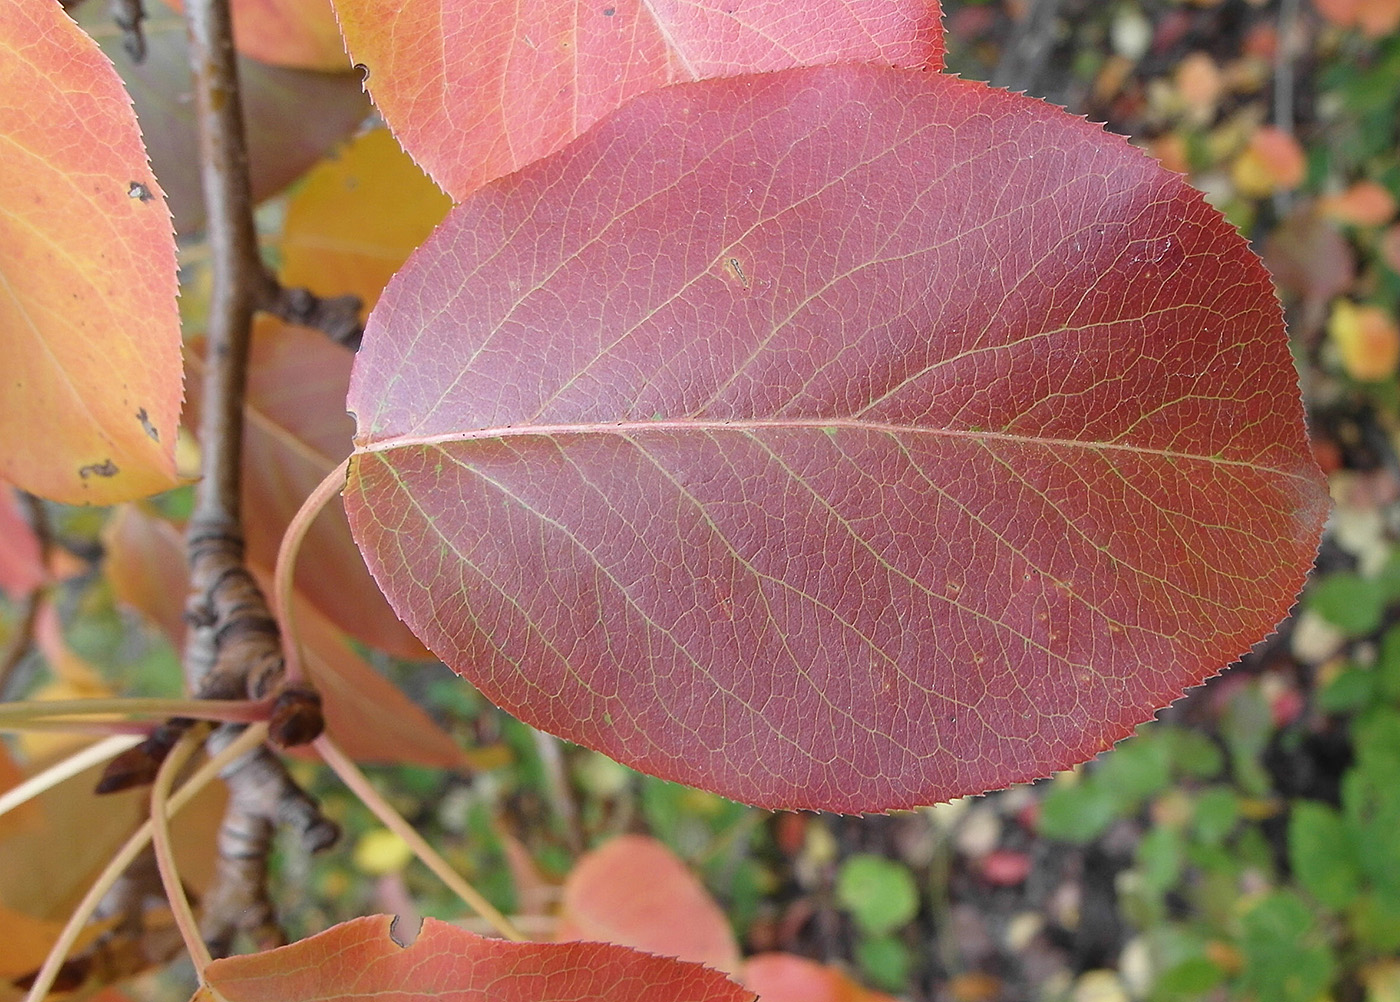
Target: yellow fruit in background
{"points": [[380, 852]]}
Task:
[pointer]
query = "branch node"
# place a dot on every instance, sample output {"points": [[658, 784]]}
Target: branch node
{"points": [[296, 717]]}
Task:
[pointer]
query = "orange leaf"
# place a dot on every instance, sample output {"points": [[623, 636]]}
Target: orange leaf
{"points": [[635, 892], [1200, 84], [357, 217], [293, 116], [358, 960], [27, 941], [1272, 162], [1374, 17], [1367, 338], [88, 325], [1365, 203], [783, 977]]}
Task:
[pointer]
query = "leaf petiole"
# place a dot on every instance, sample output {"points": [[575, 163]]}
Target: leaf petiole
{"points": [[283, 577], [352, 777], [159, 823], [17, 716]]}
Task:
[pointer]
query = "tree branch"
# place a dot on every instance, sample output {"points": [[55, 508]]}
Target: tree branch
{"points": [[234, 649]]}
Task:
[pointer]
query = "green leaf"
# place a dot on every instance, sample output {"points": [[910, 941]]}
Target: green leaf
{"points": [[1194, 754], [1078, 812], [1349, 602], [1217, 811], [878, 893], [885, 962], [1137, 768], [1350, 690], [1159, 859], [1321, 854], [1284, 960]]}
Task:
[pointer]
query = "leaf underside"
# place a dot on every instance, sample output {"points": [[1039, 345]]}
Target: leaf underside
{"points": [[845, 438]]}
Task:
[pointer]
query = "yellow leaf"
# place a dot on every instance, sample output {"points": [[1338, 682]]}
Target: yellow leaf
{"points": [[357, 217]]}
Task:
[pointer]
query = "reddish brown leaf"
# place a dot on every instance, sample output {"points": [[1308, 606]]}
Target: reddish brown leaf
{"points": [[358, 959], [293, 116], [371, 718], [507, 82], [296, 432], [847, 438], [88, 326], [633, 891]]}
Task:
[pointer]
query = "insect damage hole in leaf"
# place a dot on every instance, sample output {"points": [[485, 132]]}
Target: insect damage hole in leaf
{"points": [[941, 259]]}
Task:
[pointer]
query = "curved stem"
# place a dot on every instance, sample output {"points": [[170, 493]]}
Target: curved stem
{"points": [[236, 711], [283, 577], [43, 981], [352, 777], [66, 769], [165, 853]]}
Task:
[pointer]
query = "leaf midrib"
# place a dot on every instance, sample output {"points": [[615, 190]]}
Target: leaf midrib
{"points": [[627, 429]]}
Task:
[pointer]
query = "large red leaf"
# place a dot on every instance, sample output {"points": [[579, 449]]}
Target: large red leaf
{"points": [[476, 90], [89, 332], [847, 438], [358, 960]]}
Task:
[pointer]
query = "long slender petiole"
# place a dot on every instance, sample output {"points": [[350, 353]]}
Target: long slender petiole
{"points": [[352, 777]]}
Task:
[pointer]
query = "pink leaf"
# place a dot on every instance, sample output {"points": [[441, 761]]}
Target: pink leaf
{"points": [[847, 438]]}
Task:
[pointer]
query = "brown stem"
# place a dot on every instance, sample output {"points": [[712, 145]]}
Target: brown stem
{"points": [[234, 650], [337, 317]]}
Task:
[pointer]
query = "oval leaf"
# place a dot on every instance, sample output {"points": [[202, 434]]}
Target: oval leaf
{"points": [[88, 325], [843, 438], [358, 959], [511, 82]]}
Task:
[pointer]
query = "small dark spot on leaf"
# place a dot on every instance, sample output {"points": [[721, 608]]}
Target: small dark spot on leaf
{"points": [[139, 191], [609, 11], [147, 425], [106, 468]]}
